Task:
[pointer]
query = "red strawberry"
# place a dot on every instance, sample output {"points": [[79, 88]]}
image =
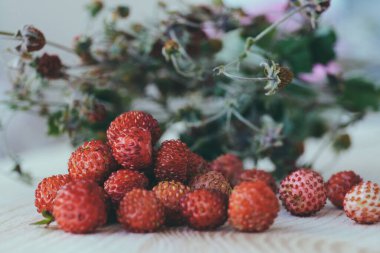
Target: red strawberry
{"points": [[229, 165], [133, 119], [47, 190], [172, 161], [255, 175], [362, 203], [133, 148], [253, 207], [197, 165], [123, 181], [211, 180], [93, 161], [303, 193], [339, 184], [80, 207], [170, 194], [140, 211], [204, 209]]}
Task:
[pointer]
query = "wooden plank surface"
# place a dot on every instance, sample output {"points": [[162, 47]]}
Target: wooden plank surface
{"points": [[328, 231]]}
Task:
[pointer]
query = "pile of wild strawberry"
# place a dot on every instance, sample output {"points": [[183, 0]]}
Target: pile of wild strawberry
{"points": [[144, 189]]}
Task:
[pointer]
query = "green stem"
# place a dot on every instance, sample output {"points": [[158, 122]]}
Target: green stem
{"points": [[245, 78], [245, 121], [252, 40]]}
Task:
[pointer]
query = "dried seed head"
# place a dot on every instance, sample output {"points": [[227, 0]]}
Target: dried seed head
{"points": [[171, 47], [286, 77], [49, 66], [32, 39]]}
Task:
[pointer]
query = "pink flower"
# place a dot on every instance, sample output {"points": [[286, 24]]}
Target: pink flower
{"points": [[211, 30], [319, 73]]}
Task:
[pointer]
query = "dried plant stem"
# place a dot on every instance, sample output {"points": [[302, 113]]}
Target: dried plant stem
{"points": [[50, 43]]}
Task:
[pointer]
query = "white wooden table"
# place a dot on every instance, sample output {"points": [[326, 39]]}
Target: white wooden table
{"points": [[328, 231]]}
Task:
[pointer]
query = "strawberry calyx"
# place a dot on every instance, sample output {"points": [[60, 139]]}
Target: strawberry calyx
{"points": [[48, 218]]}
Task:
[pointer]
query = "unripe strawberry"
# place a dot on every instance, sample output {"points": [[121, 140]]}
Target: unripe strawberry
{"points": [[362, 203], [170, 194], [303, 193]]}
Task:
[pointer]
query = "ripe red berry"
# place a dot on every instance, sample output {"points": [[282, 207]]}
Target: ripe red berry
{"points": [[79, 207], [133, 119], [303, 193], [170, 194], [140, 211], [211, 180], [123, 181], [256, 175], [172, 161], [197, 165], [47, 190], [253, 207], [229, 165], [133, 148], [339, 184], [204, 209], [93, 161], [362, 203]]}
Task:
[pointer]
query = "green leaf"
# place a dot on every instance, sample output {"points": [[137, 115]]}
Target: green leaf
{"points": [[322, 46], [48, 218], [295, 50], [55, 123], [359, 95], [94, 8]]}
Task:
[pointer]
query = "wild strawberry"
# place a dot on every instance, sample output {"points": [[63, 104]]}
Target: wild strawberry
{"points": [[93, 161], [133, 119], [204, 209], [140, 211], [47, 190], [339, 184], [123, 181], [80, 207], [255, 175], [253, 207], [211, 180], [133, 148], [170, 194], [197, 165], [172, 161], [229, 165], [303, 193], [362, 203]]}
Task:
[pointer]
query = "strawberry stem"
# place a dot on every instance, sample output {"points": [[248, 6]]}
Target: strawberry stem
{"points": [[48, 218]]}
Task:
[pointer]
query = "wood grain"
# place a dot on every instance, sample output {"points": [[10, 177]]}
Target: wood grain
{"points": [[328, 231]]}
